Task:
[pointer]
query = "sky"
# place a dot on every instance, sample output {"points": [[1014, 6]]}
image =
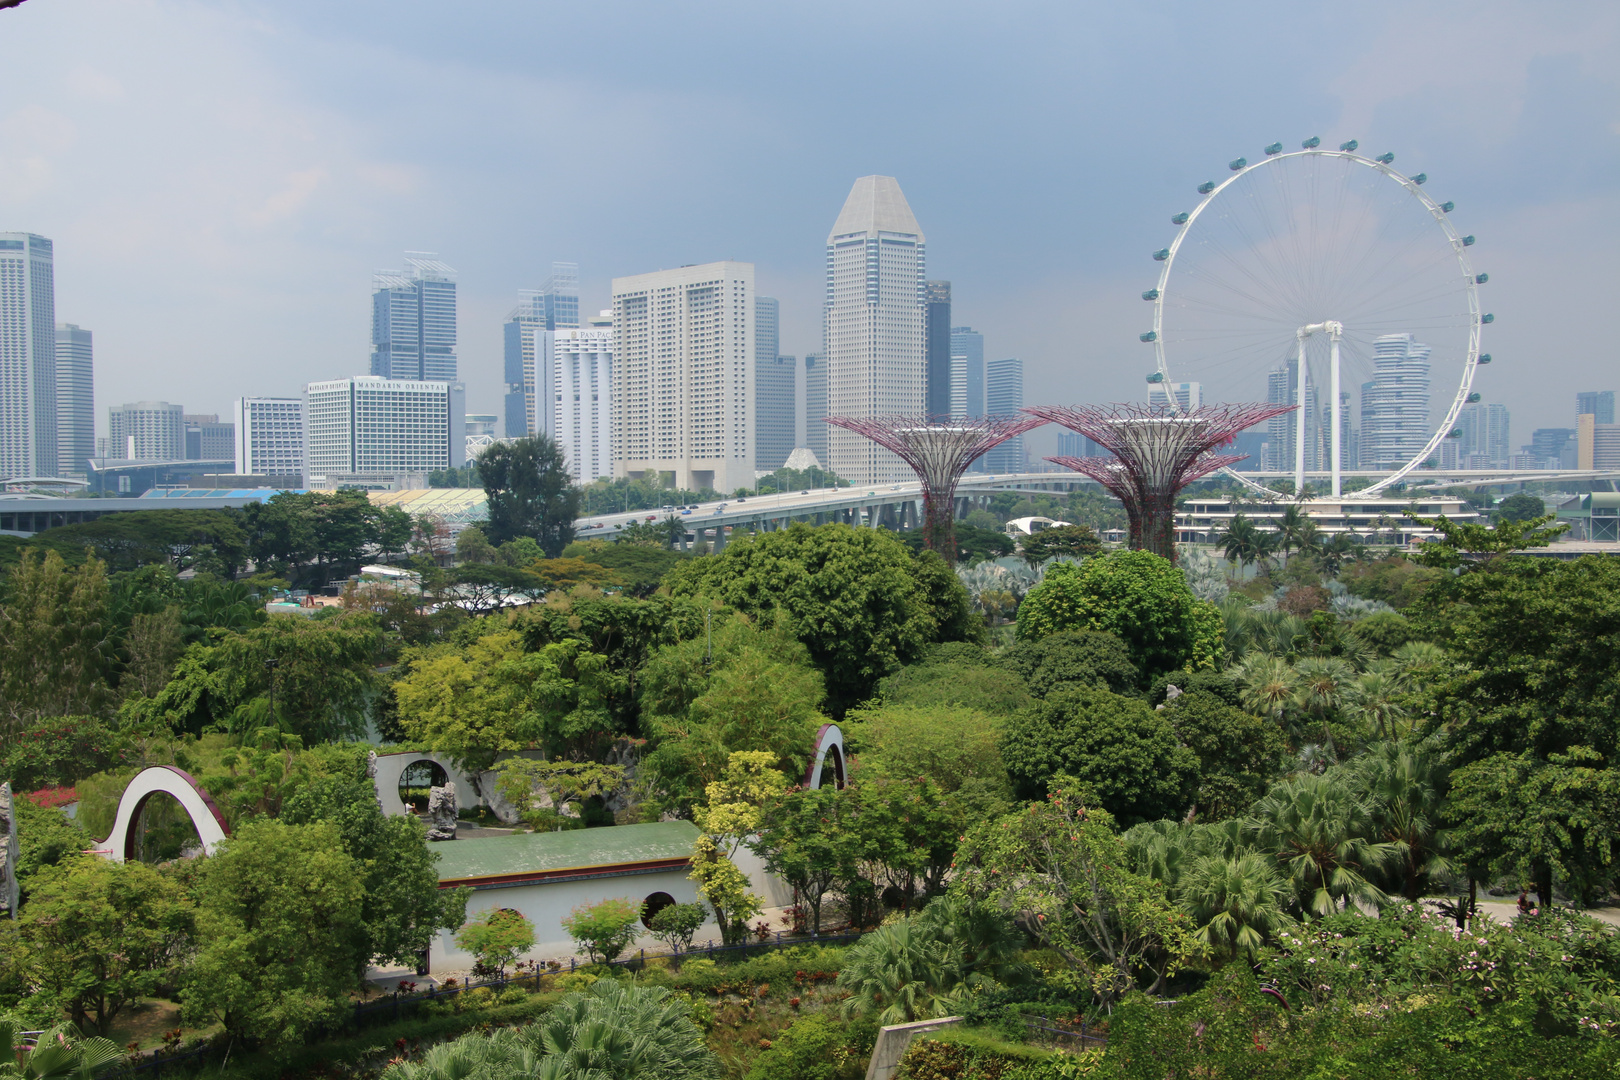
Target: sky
{"points": [[221, 179]]}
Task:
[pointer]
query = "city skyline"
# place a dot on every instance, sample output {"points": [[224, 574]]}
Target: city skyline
{"points": [[262, 178]]}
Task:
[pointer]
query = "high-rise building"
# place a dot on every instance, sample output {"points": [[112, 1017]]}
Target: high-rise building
{"points": [[413, 320], [1547, 446], [874, 324], [28, 424], [1187, 395], [1395, 404], [1074, 444], [1282, 432], [75, 399], [967, 374], [683, 376], [582, 420], [207, 439], [147, 431], [370, 425], [938, 294], [1004, 396], [1599, 403], [553, 306], [815, 406], [269, 436], [773, 389]]}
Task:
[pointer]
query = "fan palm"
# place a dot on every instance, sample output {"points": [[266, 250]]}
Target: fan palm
{"points": [[1321, 833], [1407, 787], [1267, 684], [1238, 902], [1376, 697], [58, 1054], [899, 973]]}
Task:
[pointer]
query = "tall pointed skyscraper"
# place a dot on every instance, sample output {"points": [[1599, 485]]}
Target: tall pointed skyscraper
{"points": [[874, 324]]}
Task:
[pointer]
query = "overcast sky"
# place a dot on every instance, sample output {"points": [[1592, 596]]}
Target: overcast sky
{"points": [[222, 178]]}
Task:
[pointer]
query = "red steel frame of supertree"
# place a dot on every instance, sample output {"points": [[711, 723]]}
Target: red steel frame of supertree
{"points": [[939, 450], [1157, 452]]}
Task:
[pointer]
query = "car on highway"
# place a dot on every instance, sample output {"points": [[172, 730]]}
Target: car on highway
{"points": [[685, 512], [742, 498], [806, 492]]}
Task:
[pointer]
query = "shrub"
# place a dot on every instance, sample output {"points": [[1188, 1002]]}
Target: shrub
{"points": [[604, 929], [813, 1048], [58, 752], [496, 938], [676, 924]]}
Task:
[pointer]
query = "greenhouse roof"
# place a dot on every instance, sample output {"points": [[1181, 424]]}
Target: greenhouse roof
{"points": [[530, 858]]}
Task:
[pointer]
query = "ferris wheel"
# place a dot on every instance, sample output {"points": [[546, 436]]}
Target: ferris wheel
{"points": [[1329, 280]]}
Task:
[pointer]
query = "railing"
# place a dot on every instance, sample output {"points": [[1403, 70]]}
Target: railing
{"points": [[1042, 1028]]}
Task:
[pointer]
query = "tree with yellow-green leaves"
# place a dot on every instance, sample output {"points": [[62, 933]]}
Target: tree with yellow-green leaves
{"points": [[55, 642]]}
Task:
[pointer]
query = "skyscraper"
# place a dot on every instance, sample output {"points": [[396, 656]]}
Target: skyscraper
{"points": [[1599, 403], [938, 295], [1395, 404], [773, 389], [815, 406], [269, 436], [1187, 395], [383, 427], [554, 306], [413, 320], [1547, 445], [874, 325], [1004, 396], [28, 426], [582, 422], [967, 375], [75, 399], [683, 376], [147, 431]]}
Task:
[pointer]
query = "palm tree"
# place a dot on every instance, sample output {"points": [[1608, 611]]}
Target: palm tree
{"points": [[1320, 833], [1290, 528], [613, 1031], [1407, 786], [1322, 682], [1336, 551], [1267, 684], [58, 1054], [899, 973], [1237, 539], [1375, 697], [1238, 902]]}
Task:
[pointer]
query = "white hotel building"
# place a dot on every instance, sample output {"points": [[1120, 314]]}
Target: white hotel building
{"points": [[582, 420], [269, 436], [683, 377], [368, 427]]}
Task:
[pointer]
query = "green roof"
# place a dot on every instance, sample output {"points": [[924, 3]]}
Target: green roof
{"points": [[576, 849]]}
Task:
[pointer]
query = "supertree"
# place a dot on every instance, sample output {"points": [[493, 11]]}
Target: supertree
{"points": [[939, 450], [1157, 452]]}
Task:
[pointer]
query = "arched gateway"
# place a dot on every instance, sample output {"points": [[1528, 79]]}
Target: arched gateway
{"points": [[168, 780]]}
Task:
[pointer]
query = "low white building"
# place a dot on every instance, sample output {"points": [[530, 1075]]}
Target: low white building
{"points": [[544, 876], [1200, 520]]}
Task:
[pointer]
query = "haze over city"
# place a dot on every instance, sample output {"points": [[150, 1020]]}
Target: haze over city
{"points": [[221, 180]]}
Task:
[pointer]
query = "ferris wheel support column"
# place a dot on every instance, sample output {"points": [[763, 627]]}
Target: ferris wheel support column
{"points": [[1336, 331], [1302, 373]]}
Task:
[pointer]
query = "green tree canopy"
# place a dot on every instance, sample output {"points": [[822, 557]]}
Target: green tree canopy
{"points": [[1137, 596], [96, 935], [1073, 657], [55, 642], [954, 748], [211, 540], [1075, 541], [857, 598], [281, 917], [1114, 747], [530, 492], [1239, 754]]}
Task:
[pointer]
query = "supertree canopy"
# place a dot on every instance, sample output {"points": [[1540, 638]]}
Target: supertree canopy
{"points": [[1157, 452], [939, 450]]}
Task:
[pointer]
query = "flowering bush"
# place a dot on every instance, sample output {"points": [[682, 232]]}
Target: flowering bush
{"points": [[1560, 963]]}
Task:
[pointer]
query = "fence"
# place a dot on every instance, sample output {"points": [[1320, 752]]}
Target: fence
{"points": [[1042, 1029]]}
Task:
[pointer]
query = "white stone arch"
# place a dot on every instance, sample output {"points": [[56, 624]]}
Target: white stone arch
{"points": [[390, 767], [829, 755], [165, 779]]}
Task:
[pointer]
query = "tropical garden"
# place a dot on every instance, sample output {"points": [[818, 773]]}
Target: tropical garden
{"points": [[1303, 811]]}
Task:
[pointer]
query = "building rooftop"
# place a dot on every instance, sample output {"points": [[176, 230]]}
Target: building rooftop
{"points": [[577, 853], [876, 204]]}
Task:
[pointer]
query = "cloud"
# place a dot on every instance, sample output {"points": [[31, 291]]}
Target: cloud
{"points": [[94, 85], [290, 199]]}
